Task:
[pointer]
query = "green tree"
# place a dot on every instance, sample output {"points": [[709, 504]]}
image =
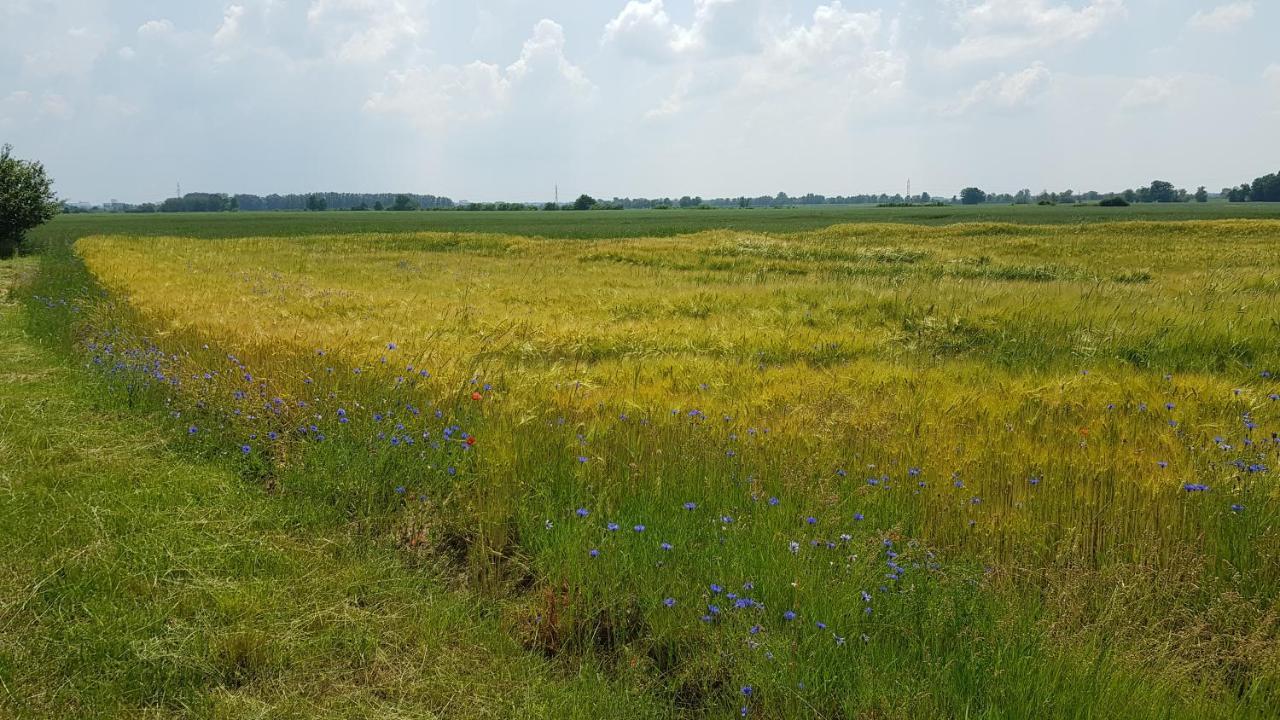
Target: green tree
{"points": [[26, 200], [403, 203], [317, 202], [584, 202], [1202, 195], [1162, 192], [972, 196], [377, 205], [1266, 188]]}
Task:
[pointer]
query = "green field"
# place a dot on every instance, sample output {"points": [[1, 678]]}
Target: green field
{"points": [[989, 462], [625, 223]]}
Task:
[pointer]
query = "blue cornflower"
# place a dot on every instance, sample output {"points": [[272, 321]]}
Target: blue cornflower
{"points": [[773, 501], [1237, 508], [715, 589], [666, 546], [582, 512], [594, 552], [638, 528], [713, 610], [391, 346], [669, 602], [726, 519], [1162, 463], [192, 430], [789, 615], [582, 458], [691, 506], [1195, 487], [811, 520], [858, 517], [611, 527], [746, 690], [821, 625], [400, 490], [246, 449]]}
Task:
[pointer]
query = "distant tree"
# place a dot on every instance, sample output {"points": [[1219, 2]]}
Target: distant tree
{"points": [[550, 206], [925, 197], [1239, 194], [744, 202], [1266, 188], [26, 200], [1114, 202], [317, 202], [972, 196], [585, 202], [1129, 196], [377, 205], [1023, 197], [1202, 195], [403, 203], [1162, 192]]}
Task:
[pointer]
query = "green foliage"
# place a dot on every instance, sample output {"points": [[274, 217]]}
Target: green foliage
{"points": [[584, 202], [26, 200], [1266, 189], [972, 196], [1114, 202]]}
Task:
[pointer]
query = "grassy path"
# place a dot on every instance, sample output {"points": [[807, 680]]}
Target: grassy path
{"points": [[138, 583]]}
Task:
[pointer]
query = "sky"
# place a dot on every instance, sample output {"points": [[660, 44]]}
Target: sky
{"points": [[505, 99]]}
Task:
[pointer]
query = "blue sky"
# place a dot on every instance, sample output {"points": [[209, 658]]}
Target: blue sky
{"points": [[501, 99]]}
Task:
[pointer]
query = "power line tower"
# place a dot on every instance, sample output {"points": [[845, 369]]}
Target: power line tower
{"points": [[179, 189], [908, 189]]}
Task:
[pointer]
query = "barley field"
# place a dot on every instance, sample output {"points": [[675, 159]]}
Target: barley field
{"points": [[867, 470]]}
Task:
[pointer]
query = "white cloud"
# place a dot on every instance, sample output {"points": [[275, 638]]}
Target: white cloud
{"points": [[1153, 91], [447, 95], [366, 31], [155, 28], [1223, 17], [720, 28], [1004, 91], [230, 28], [998, 29]]}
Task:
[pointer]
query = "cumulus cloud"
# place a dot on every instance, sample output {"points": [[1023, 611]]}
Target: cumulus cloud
{"points": [[1153, 91], [446, 95], [720, 27], [1223, 17], [999, 29], [364, 31], [1004, 91], [230, 28]]}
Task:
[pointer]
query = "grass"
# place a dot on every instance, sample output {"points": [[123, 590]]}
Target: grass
{"points": [[136, 581], [981, 470], [629, 223]]}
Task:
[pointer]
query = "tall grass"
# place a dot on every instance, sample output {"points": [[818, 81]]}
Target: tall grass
{"points": [[979, 470]]}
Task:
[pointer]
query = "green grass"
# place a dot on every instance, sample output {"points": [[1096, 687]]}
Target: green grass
{"points": [[622, 223], [139, 582]]}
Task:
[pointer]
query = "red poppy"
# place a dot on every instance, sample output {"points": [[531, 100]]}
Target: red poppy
{"points": [[471, 439], [476, 396]]}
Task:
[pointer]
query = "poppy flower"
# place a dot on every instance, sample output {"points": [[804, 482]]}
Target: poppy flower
{"points": [[476, 396]]}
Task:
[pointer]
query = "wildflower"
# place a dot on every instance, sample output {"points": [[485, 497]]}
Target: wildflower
{"points": [[400, 490], [594, 552], [794, 547], [691, 506], [811, 520], [669, 602], [858, 517], [773, 501], [246, 449], [1162, 463], [746, 690], [638, 528], [713, 610], [821, 625], [715, 589], [476, 396], [789, 615], [1237, 508], [666, 546], [582, 512], [192, 430], [582, 458], [1195, 487], [726, 519]]}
